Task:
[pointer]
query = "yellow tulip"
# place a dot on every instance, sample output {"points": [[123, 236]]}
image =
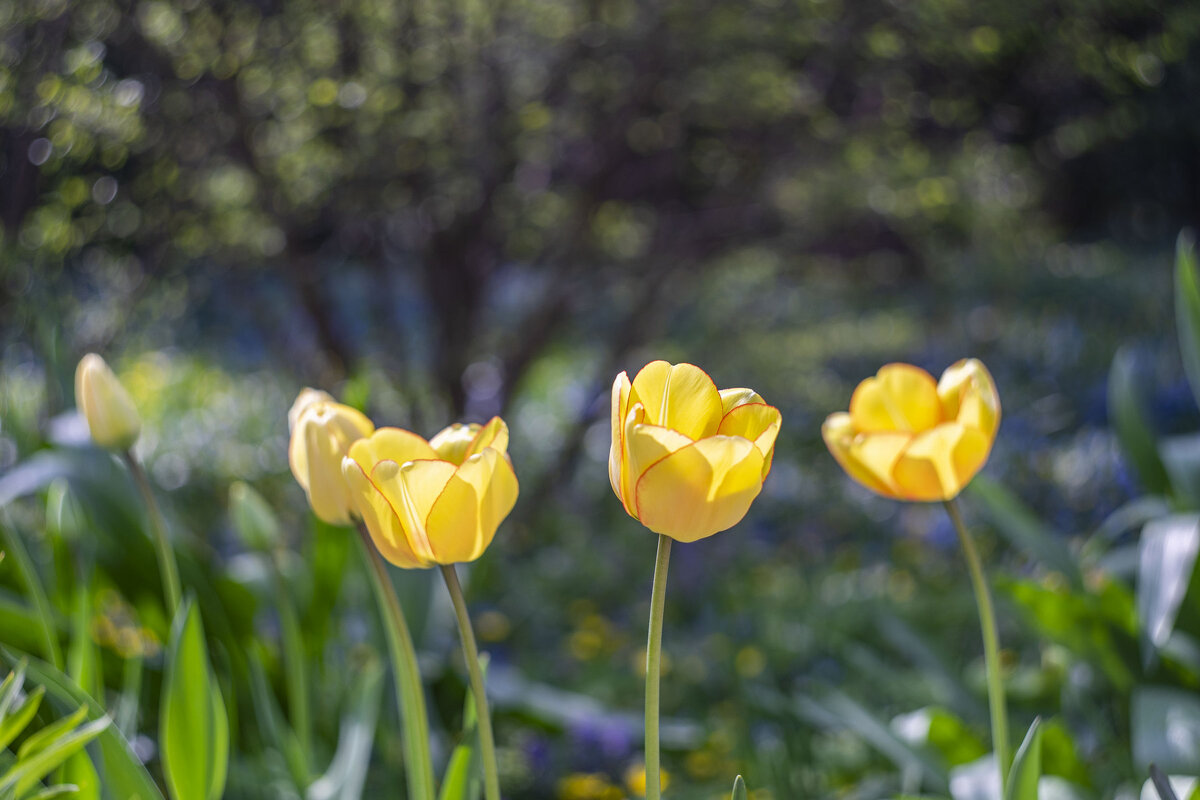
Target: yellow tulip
{"points": [[687, 460], [306, 398], [432, 502], [322, 432], [109, 410], [911, 438]]}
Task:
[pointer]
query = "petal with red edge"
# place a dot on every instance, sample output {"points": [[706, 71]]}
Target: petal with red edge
{"points": [[700, 489], [476, 500], [681, 397]]}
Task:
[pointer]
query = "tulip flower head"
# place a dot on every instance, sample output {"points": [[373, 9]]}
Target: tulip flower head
{"points": [[432, 502], [306, 398], [322, 432], [910, 438], [111, 415], [687, 460]]}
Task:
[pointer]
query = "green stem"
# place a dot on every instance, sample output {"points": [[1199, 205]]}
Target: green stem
{"points": [[487, 745], [418, 765], [167, 568], [991, 645], [658, 602], [33, 584]]}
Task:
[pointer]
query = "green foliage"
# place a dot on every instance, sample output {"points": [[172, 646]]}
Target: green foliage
{"points": [[194, 729], [1026, 767], [43, 750]]}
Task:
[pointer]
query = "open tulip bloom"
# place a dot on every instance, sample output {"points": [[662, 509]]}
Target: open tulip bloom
{"points": [[909, 437], [687, 460], [432, 502]]}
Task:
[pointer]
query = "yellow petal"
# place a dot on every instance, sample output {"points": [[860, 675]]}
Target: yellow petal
{"points": [[307, 397], [635, 416], [381, 521], [681, 397], [900, 397], [493, 434], [411, 489], [476, 500], [323, 433], [616, 451], [757, 422], [326, 487], [649, 444], [732, 398], [938, 463], [968, 395], [391, 444], [848, 448], [701, 489], [452, 443], [459, 442]]}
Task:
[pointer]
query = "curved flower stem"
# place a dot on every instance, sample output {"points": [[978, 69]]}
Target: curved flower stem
{"points": [[991, 644], [487, 745], [167, 568], [658, 602], [418, 765]]}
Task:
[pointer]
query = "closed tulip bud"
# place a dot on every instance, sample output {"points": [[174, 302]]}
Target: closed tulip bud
{"points": [[433, 502], [321, 436], [687, 460], [910, 438], [109, 410]]}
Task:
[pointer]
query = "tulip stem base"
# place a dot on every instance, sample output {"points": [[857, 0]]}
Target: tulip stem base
{"points": [[167, 567], [658, 602], [487, 745], [991, 645], [418, 765]]}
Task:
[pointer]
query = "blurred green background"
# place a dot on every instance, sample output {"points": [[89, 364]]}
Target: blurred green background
{"points": [[445, 211]]}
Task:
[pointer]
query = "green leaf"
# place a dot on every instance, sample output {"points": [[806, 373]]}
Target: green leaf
{"points": [[943, 731], [125, 776], [1026, 767], [50, 792], [194, 730], [47, 735], [1166, 563], [739, 789], [464, 771], [30, 770], [1187, 308], [1165, 728], [1128, 416], [348, 771], [456, 783], [273, 729], [10, 690], [1181, 458], [19, 719], [79, 772]]}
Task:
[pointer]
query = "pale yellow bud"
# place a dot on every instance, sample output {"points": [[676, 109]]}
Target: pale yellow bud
{"points": [[109, 410]]}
